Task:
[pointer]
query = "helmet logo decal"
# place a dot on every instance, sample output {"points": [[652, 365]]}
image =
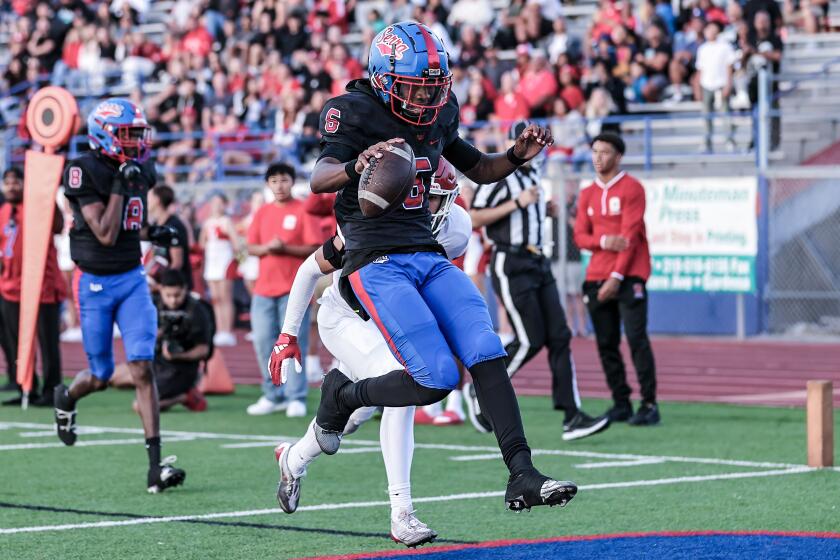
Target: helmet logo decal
{"points": [[391, 45], [106, 110]]}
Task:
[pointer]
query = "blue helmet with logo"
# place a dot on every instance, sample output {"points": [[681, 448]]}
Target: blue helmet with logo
{"points": [[409, 71], [118, 128]]}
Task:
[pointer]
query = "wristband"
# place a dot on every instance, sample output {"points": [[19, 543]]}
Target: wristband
{"points": [[514, 159], [516, 201], [350, 169]]}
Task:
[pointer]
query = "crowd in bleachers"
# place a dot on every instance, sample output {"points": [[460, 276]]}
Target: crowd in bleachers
{"points": [[256, 73]]}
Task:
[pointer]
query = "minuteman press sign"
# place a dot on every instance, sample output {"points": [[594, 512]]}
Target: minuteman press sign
{"points": [[702, 233]]}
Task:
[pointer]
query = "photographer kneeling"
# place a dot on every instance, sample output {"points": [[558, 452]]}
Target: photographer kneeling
{"points": [[183, 342]]}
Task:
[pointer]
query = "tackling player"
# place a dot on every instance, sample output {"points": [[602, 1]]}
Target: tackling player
{"points": [[106, 188], [395, 271], [362, 353]]}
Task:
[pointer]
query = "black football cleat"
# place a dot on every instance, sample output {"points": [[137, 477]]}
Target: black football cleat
{"points": [[331, 417], [165, 476], [65, 415], [530, 488], [477, 419], [582, 425]]}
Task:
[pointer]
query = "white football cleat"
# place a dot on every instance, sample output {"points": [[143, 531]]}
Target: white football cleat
{"points": [[409, 530], [288, 487]]}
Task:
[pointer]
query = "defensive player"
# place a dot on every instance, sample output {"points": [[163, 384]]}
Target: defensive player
{"points": [[395, 271], [106, 188], [362, 352]]}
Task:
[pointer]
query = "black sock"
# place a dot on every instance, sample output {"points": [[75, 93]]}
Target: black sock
{"points": [[153, 449], [498, 404], [395, 388]]}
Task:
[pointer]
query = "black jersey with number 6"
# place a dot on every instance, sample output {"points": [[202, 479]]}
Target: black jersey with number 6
{"points": [[351, 123], [87, 180]]}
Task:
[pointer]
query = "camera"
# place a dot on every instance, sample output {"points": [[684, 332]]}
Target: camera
{"points": [[174, 330]]}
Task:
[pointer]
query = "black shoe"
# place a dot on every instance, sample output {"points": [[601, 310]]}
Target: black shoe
{"points": [[331, 417], [165, 476], [620, 412], [647, 415], [10, 386], [583, 425], [531, 488], [14, 401], [478, 420], [65, 415], [46, 400]]}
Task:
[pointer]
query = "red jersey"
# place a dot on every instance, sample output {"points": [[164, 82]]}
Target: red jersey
{"points": [[320, 207], [54, 289], [293, 226], [615, 208]]}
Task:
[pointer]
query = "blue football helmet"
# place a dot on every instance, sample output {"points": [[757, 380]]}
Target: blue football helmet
{"points": [[409, 71], [118, 128]]}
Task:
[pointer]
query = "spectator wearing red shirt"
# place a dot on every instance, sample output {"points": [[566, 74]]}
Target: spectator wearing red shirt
{"points": [[53, 291], [538, 85], [569, 89], [610, 223], [510, 105], [198, 41], [282, 234]]}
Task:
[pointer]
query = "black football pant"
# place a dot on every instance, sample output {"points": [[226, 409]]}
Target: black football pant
{"points": [[7, 355], [629, 308], [526, 286], [49, 325]]}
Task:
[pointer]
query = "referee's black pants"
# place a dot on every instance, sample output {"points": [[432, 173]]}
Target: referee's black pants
{"points": [[528, 291], [630, 307], [49, 329]]}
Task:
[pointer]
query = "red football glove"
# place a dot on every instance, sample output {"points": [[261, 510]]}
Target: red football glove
{"points": [[284, 355]]}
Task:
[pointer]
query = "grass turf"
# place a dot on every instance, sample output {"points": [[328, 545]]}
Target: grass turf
{"points": [[107, 483]]}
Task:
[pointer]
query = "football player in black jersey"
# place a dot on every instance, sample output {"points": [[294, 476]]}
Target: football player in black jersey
{"points": [[394, 271], [106, 188]]}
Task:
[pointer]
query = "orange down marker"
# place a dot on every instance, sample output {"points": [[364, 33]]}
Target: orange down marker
{"points": [[51, 117]]}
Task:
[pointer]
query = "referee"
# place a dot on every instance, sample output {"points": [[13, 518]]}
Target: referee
{"points": [[514, 212]]}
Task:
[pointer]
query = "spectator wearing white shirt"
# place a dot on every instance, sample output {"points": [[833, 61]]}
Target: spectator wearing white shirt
{"points": [[476, 13], [715, 58]]}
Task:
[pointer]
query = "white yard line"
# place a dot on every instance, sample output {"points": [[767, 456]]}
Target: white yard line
{"points": [[357, 505], [477, 452]]}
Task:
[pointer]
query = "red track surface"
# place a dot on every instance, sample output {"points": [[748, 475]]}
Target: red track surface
{"points": [[688, 369]]}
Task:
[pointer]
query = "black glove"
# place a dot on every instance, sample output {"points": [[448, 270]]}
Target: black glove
{"points": [[128, 175], [163, 236]]}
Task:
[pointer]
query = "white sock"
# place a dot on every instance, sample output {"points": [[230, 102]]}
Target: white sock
{"points": [[359, 417], [433, 409], [454, 402], [302, 453], [396, 436]]}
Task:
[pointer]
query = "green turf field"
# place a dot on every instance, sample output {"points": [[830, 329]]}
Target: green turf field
{"points": [[712, 467]]}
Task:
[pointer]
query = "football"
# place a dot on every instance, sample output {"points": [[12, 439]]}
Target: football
{"points": [[387, 181]]}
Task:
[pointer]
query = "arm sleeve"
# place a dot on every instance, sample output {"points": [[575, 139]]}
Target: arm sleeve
{"points": [[632, 223], [584, 237], [302, 289], [460, 153]]}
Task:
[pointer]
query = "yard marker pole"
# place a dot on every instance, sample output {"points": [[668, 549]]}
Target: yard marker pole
{"points": [[820, 413]]}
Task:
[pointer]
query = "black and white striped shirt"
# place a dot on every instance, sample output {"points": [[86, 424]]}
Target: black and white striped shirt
{"points": [[522, 227]]}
